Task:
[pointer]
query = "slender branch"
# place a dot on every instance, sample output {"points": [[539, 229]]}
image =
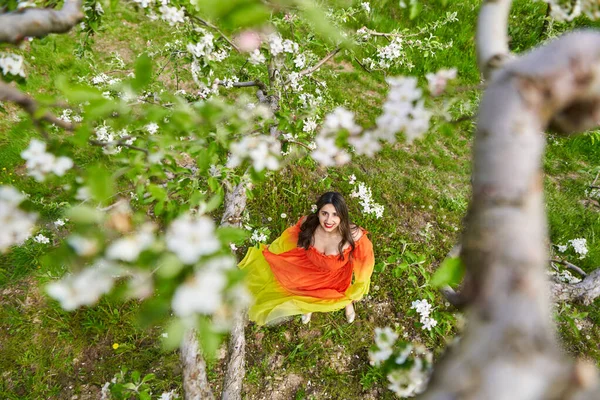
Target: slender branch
{"points": [[211, 26], [256, 83], [320, 63], [570, 266], [14, 95], [121, 142], [37, 22], [584, 292], [361, 65]]}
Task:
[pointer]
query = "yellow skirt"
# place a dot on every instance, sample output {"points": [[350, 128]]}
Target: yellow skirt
{"points": [[272, 303]]}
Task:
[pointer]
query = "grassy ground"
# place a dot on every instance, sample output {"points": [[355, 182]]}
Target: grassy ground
{"points": [[48, 353]]}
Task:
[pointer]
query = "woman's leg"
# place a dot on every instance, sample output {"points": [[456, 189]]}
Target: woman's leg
{"points": [[350, 313], [306, 318]]}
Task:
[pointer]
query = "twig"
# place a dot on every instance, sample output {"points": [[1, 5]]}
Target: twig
{"points": [[256, 83], [595, 179], [299, 144], [320, 63], [462, 118], [208, 24], [361, 64], [121, 142], [570, 266], [14, 95], [38, 22]]}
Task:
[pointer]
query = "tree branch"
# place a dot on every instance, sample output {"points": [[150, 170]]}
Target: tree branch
{"points": [[492, 37], [570, 266], [195, 381], [319, 64], [37, 22], [14, 95], [211, 26], [509, 350], [121, 142], [584, 292]]}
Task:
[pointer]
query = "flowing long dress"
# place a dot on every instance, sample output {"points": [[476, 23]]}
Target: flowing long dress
{"points": [[288, 280]]}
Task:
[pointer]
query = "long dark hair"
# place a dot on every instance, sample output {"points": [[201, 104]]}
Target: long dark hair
{"points": [[307, 230]]}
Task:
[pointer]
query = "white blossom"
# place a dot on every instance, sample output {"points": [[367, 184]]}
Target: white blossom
{"points": [[263, 150], [367, 144], [41, 239], [309, 125], [83, 246], [152, 128], [85, 287], [275, 44], [256, 57], [172, 15], [129, 248], [562, 248], [366, 6], [258, 236], [17, 225], [437, 82], [40, 163], [300, 61], [339, 119], [144, 3], [12, 64], [191, 237], [363, 192], [580, 246], [352, 179], [290, 46], [201, 294], [59, 222]]}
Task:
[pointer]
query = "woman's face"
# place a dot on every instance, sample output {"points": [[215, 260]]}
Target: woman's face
{"points": [[328, 218]]}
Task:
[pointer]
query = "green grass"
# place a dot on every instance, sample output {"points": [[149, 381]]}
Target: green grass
{"points": [[425, 187]]}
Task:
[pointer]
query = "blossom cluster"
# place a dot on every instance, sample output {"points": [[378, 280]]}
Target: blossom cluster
{"points": [[205, 47], [263, 150], [85, 287], [408, 382], [12, 64], [411, 366], [579, 246], [423, 308], [363, 192], [40, 163], [384, 342], [569, 10], [106, 136], [259, 236], [564, 276], [17, 225], [327, 153], [403, 111], [437, 82]]}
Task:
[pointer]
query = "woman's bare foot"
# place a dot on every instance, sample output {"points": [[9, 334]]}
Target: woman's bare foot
{"points": [[306, 318], [350, 313]]}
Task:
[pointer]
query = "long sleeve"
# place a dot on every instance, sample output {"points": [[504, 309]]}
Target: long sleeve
{"points": [[364, 262]]}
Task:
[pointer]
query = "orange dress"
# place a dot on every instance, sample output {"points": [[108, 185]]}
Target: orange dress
{"points": [[288, 280]]}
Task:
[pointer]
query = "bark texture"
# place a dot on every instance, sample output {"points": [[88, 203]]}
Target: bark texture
{"points": [[195, 381], [39, 22], [509, 349], [584, 292]]}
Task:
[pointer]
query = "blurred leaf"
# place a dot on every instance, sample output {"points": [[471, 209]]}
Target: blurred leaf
{"points": [[214, 202], [228, 234], [450, 273], [77, 93], [210, 340], [100, 182], [143, 72], [175, 331], [415, 8], [170, 265], [158, 192], [83, 214]]}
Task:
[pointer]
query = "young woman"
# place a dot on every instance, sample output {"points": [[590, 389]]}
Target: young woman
{"points": [[310, 266]]}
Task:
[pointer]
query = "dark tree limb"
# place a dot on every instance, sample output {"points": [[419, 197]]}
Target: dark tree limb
{"points": [[14, 95], [39, 22]]}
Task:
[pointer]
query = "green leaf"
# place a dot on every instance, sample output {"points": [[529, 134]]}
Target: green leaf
{"points": [[157, 192], [77, 93], [135, 376], [232, 235], [84, 215], [169, 266], [214, 202], [148, 377], [415, 8], [143, 72], [450, 273], [100, 182]]}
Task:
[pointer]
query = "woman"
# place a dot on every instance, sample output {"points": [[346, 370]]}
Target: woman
{"points": [[310, 266]]}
